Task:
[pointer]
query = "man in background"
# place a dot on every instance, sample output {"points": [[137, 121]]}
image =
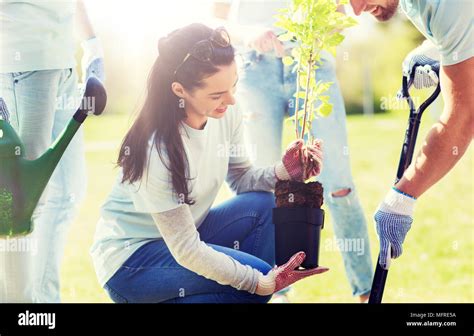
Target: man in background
{"points": [[448, 25]]}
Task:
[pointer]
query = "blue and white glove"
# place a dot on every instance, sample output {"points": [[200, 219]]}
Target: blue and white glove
{"points": [[420, 60], [393, 221], [93, 60]]}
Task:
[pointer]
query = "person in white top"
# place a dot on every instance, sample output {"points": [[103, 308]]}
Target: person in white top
{"points": [[159, 239], [39, 86]]}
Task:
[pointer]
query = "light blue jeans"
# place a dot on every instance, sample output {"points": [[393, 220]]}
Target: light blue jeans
{"points": [[265, 94], [41, 103], [241, 227]]}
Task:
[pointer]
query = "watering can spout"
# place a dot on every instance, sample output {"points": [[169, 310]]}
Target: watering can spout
{"points": [[22, 181]]}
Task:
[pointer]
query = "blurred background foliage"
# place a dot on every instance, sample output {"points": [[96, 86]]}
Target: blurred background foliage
{"points": [[368, 61]]}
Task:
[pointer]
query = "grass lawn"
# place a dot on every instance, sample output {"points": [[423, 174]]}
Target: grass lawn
{"points": [[437, 264]]}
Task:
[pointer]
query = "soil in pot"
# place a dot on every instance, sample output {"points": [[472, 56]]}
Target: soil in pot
{"points": [[294, 194]]}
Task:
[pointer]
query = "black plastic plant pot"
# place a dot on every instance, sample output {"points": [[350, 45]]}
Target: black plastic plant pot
{"points": [[298, 229]]}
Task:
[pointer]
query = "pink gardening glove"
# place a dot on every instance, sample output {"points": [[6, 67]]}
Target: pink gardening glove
{"points": [[300, 162], [314, 155], [282, 276]]}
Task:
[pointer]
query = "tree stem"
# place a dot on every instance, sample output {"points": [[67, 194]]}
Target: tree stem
{"points": [[297, 97], [310, 65]]}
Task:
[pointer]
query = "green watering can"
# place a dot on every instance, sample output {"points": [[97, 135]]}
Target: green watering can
{"points": [[23, 181]]}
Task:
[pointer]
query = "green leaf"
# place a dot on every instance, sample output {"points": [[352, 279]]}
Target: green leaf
{"points": [[334, 40], [286, 37], [295, 53], [315, 24], [288, 60], [324, 99], [325, 109], [322, 87], [303, 82], [301, 94], [332, 50], [290, 120]]}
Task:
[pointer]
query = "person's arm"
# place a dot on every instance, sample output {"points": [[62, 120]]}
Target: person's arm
{"points": [[242, 176], [260, 39], [221, 10], [85, 28], [182, 239], [93, 59], [449, 138], [341, 8], [445, 144]]}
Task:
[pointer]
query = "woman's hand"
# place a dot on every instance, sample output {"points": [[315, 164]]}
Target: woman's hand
{"points": [[285, 275], [300, 162], [313, 155]]}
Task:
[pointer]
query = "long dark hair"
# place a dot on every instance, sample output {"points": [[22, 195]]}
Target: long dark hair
{"points": [[162, 112]]}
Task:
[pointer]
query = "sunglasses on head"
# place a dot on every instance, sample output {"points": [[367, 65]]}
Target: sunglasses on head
{"points": [[202, 50]]}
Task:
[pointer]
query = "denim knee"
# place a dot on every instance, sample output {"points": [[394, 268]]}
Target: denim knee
{"points": [[265, 202], [113, 295]]}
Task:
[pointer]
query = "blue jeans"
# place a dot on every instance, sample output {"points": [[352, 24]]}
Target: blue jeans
{"points": [[241, 227], [41, 103], [265, 94]]}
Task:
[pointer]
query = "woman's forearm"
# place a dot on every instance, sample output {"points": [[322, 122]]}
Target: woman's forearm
{"points": [[245, 177], [182, 239]]}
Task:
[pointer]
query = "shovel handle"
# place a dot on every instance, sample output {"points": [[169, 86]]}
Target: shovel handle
{"points": [[406, 156]]}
